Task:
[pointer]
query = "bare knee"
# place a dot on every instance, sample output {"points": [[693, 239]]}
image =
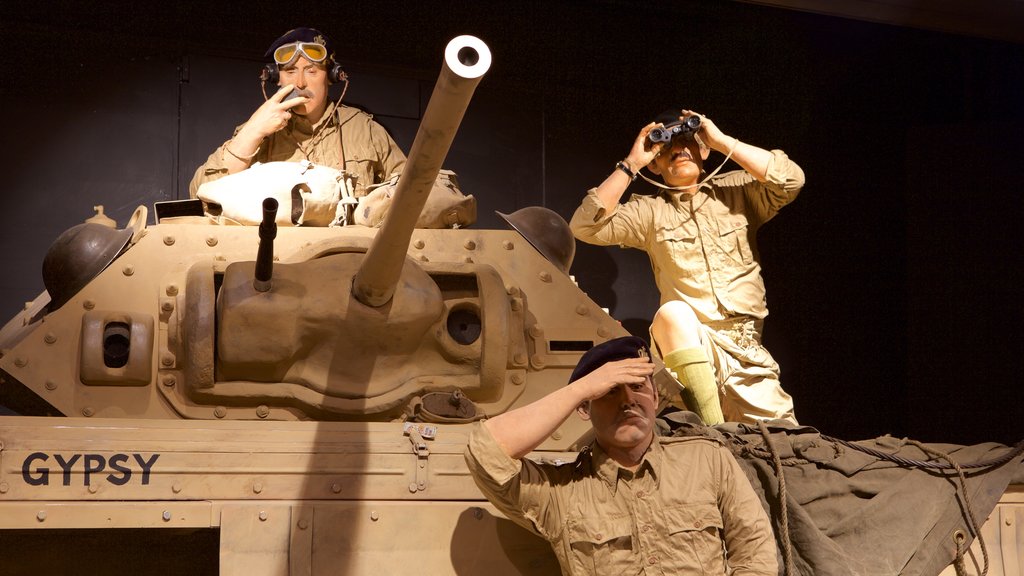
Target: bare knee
{"points": [[677, 314], [675, 326]]}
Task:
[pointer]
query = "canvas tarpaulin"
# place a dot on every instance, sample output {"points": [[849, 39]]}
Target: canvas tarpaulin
{"points": [[850, 512]]}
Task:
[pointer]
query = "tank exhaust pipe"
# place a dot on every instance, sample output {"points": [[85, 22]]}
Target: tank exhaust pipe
{"points": [[466, 59], [265, 254]]}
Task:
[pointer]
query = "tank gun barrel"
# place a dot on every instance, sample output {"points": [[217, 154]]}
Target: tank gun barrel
{"points": [[466, 59], [265, 254]]}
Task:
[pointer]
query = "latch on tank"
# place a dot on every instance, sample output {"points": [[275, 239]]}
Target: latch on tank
{"points": [[418, 433]]}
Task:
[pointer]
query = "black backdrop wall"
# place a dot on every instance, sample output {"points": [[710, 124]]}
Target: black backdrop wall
{"points": [[893, 281]]}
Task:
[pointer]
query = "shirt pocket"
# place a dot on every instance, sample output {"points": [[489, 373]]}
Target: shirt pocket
{"points": [[733, 239], [682, 246], [696, 528], [364, 172], [602, 545]]}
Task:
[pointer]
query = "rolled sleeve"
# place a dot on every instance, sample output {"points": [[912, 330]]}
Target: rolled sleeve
{"points": [[783, 181], [625, 226], [498, 477], [521, 489], [487, 461], [785, 173], [589, 212]]}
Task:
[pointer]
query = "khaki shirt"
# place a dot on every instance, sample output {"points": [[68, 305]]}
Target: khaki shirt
{"points": [[371, 155], [669, 517], [703, 248]]}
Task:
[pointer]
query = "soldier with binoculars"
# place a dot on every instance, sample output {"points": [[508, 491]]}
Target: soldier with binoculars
{"points": [[700, 234]]}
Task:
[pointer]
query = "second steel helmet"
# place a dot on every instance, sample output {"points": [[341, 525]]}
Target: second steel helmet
{"points": [[79, 255], [548, 232]]}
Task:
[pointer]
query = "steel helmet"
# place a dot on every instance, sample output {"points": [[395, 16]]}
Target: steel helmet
{"points": [[547, 231], [79, 255]]}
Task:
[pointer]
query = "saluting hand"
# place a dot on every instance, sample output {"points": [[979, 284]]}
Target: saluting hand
{"points": [[612, 374]]}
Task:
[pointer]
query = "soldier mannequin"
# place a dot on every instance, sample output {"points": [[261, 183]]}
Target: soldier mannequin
{"points": [[700, 235], [307, 126], [621, 507]]}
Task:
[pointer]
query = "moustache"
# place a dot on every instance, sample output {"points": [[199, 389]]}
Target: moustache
{"points": [[630, 413], [295, 93]]}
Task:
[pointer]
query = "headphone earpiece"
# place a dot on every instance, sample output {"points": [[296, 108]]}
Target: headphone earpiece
{"points": [[269, 74], [335, 74]]}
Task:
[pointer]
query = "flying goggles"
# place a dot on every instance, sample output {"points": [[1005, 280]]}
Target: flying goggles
{"points": [[314, 52]]}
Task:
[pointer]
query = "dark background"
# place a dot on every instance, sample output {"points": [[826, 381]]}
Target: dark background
{"points": [[893, 281]]}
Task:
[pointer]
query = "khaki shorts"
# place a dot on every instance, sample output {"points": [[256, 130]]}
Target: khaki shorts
{"points": [[748, 377]]}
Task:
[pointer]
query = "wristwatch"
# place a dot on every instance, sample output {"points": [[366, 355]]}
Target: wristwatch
{"points": [[625, 168]]}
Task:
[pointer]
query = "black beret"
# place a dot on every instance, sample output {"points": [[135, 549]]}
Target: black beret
{"points": [[610, 351], [302, 35]]}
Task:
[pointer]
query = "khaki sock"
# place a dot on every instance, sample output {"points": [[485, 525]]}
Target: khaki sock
{"points": [[700, 389]]}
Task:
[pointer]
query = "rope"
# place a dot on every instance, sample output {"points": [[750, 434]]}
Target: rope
{"points": [[787, 546], [958, 563], [950, 464], [972, 522], [764, 454], [1011, 455]]}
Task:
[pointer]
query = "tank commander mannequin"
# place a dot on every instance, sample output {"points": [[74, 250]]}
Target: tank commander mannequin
{"points": [[306, 126], [632, 502], [700, 235]]}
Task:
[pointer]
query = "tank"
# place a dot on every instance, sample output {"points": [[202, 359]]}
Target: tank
{"points": [[260, 400], [289, 400]]}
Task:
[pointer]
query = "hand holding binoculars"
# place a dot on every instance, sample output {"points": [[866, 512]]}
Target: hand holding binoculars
{"points": [[685, 128]]}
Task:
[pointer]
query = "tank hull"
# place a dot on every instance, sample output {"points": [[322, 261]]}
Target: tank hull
{"points": [[273, 498], [277, 498]]}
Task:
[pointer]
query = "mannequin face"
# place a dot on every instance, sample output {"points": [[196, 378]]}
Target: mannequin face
{"points": [[679, 163], [311, 77], [623, 419]]}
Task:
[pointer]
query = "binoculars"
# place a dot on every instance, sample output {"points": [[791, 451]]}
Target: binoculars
{"points": [[685, 128]]}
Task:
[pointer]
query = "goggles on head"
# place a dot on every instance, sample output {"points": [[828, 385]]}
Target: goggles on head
{"points": [[287, 54]]}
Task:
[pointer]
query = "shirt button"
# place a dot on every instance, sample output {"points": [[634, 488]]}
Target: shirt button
{"points": [[697, 524], [599, 536], [652, 560], [641, 494], [647, 527]]}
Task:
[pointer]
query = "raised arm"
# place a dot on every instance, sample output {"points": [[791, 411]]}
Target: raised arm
{"points": [[752, 158], [521, 430], [270, 117], [240, 151], [614, 186]]}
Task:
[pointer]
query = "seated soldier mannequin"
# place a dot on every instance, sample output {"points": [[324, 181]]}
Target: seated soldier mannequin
{"points": [[700, 235], [632, 500]]}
